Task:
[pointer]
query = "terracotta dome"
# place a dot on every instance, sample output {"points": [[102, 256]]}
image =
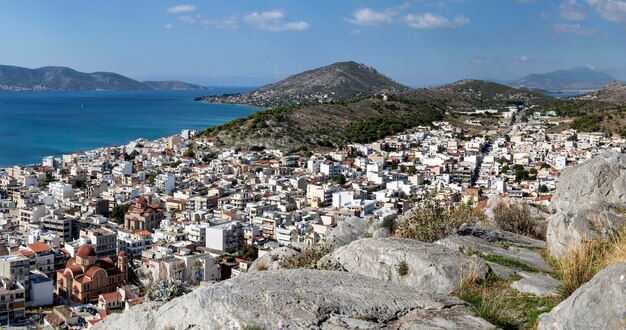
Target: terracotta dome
{"points": [[121, 254], [86, 251]]}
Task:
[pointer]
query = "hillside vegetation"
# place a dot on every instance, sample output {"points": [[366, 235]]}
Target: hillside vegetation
{"points": [[325, 125]]}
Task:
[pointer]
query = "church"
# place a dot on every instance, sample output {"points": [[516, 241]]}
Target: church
{"points": [[85, 277]]}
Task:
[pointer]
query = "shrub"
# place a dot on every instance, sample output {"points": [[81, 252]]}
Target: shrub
{"points": [[307, 258], [514, 218], [403, 268], [432, 221], [165, 290], [388, 223]]}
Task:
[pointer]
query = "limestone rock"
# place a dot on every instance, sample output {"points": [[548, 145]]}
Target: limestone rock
{"points": [[499, 243], [587, 202], [347, 231], [537, 284], [597, 304], [430, 268], [273, 259], [301, 299]]}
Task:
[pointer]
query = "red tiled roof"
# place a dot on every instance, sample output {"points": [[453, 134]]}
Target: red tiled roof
{"points": [[38, 247]]}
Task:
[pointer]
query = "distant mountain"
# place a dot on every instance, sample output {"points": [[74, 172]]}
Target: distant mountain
{"points": [[55, 78], [52, 78], [577, 79], [336, 82], [470, 93], [173, 85]]}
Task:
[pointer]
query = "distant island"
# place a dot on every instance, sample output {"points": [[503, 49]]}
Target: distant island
{"points": [[53, 78], [574, 80]]}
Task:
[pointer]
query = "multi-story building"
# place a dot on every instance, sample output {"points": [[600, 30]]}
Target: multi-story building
{"points": [[103, 239], [58, 223], [12, 301], [16, 268], [227, 237], [143, 216], [133, 243]]}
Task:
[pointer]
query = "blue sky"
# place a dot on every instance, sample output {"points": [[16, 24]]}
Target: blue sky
{"points": [[417, 42]]}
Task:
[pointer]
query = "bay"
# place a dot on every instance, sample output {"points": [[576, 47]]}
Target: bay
{"points": [[38, 124]]}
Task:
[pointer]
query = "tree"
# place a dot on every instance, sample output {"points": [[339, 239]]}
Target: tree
{"points": [[505, 168], [543, 189], [340, 179], [249, 252], [118, 213]]}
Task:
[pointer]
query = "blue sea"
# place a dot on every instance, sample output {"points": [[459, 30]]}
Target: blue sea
{"points": [[38, 124]]}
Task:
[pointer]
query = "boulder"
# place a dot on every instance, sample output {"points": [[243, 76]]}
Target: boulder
{"points": [[589, 202], [429, 267], [273, 259], [597, 304], [301, 299], [347, 231], [536, 284]]}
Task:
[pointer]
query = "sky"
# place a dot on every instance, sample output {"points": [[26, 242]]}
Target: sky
{"points": [[416, 42]]}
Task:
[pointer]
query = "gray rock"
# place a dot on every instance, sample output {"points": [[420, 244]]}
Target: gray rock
{"points": [[273, 259], [347, 231], [598, 304], [587, 201], [503, 272], [537, 284], [485, 244], [431, 268], [301, 299]]}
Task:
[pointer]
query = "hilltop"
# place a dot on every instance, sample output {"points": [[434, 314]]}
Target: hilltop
{"points": [[56, 78], [340, 81], [576, 79], [482, 93]]}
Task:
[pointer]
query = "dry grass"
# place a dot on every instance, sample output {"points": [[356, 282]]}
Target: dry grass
{"points": [[470, 277], [261, 265], [434, 220], [584, 261]]}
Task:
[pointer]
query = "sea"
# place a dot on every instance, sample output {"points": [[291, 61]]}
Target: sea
{"points": [[38, 124]]}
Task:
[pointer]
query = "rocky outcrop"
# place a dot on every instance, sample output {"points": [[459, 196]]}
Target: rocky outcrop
{"points": [[273, 259], [493, 242], [589, 202], [598, 304], [423, 266], [347, 231], [301, 299]]}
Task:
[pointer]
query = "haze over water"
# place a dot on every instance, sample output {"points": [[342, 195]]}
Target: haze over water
{"points": [[38, 124]]}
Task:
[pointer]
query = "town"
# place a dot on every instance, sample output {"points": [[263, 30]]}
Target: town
{"points": [[97, 232]]}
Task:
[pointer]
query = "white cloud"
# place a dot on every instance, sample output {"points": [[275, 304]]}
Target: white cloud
{"points": [[181, 9], [370, 17], [274, 21], [572, 10], [522, 58], [169, 26], [610, 10], [226, 23], [573, 29], [432, 21], [355, 32]]}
